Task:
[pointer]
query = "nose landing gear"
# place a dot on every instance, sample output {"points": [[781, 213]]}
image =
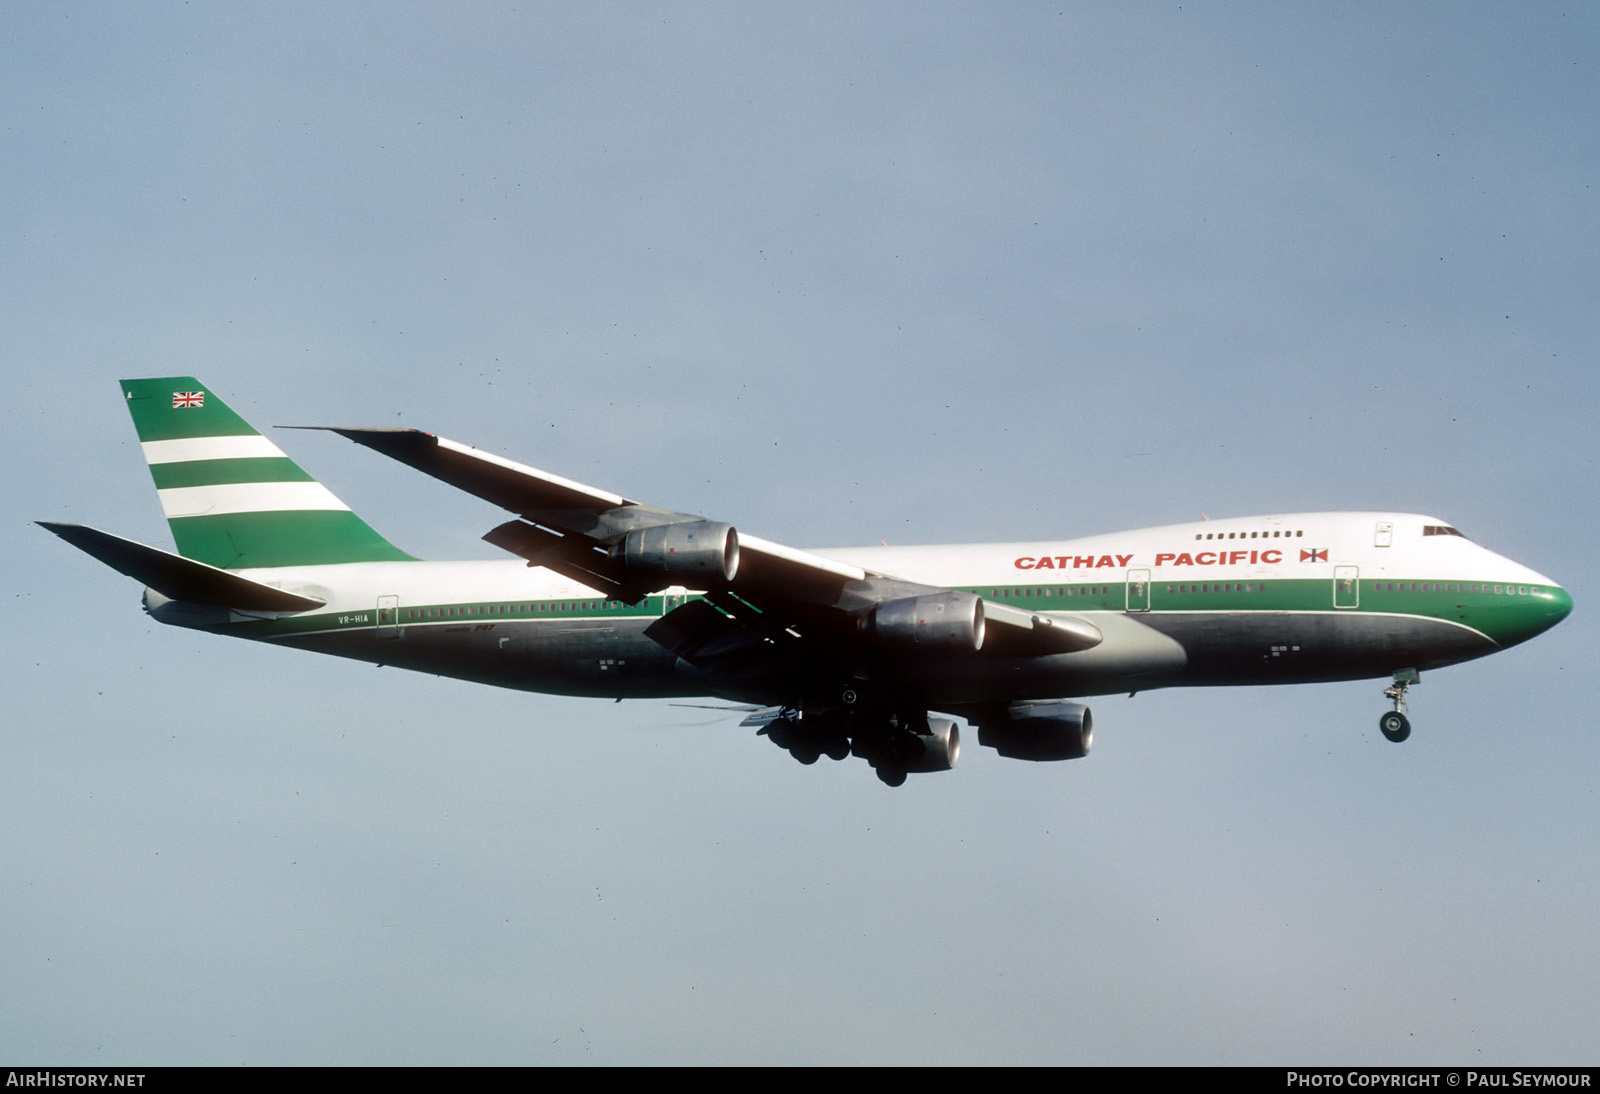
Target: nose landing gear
{"points": [[1394, 725]]}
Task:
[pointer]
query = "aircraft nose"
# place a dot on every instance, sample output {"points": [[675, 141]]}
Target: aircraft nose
{"points": [[1519, 612], [1558, 606], [1549, 605]]}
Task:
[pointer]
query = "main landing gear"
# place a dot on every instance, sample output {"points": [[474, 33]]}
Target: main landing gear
{"points": [[1395, 725], [895, 740]]}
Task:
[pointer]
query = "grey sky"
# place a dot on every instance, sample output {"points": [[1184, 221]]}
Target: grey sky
{"points": [[834, 273]]}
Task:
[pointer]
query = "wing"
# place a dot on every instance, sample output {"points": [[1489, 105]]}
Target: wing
{"points": [[761, 598]]}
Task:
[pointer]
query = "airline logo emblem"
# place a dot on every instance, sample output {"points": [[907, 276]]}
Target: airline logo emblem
{"points": [[182, 400], [1314, 554]]}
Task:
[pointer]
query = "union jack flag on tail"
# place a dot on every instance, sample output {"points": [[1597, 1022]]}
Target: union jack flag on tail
{"points": [[184, 399]]}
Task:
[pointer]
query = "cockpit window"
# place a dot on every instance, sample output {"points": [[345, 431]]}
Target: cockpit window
{"points": [[1440, 530]]}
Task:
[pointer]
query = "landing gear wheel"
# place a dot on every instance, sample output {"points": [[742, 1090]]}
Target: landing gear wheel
{"points": [[1395, 726], [892, 776]]}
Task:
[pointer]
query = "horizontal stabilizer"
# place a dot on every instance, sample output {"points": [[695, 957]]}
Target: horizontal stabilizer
{"points": [[179, 578]]}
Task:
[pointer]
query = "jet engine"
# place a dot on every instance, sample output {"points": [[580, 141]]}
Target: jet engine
{"points": [[941, 747], [948, 621], [1052, 730], [908, 744], [697, 554]]}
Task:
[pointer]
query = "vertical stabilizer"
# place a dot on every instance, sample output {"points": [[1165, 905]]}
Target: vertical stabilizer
{"points": [[233, 499]]}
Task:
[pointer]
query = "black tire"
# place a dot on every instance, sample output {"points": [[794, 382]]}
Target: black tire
{"points": [[1395, 726]]}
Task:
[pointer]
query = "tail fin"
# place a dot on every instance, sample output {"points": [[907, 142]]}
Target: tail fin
{"points": [[233, 499]]}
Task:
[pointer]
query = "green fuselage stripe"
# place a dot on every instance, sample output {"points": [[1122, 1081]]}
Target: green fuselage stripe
{"points": [[1504, 618], [1258, 594], [460, 616], [218, 472]]}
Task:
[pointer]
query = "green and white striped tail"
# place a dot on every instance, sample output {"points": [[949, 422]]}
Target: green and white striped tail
{"points": [[233, 499]]}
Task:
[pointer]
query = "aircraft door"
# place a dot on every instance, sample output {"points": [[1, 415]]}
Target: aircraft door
{"points": [[388, 617], [1346, 587], [1138, 590], [1383, 534]]}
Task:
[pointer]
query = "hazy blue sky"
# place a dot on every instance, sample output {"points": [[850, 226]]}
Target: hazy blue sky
{"points": [[836, 273]]}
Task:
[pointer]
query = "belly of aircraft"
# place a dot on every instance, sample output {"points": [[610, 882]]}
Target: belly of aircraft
{"points": [[1309, 647], [1140, 651], [604, 659]]}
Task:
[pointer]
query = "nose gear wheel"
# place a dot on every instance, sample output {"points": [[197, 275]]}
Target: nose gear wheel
{"points": [[1394, 725]]}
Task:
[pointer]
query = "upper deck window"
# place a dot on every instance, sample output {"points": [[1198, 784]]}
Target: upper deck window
{"points": [[1440, 530]]}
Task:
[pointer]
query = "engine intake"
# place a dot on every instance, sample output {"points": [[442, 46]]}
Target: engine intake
{"points": [[940, 621], [695, 554]]}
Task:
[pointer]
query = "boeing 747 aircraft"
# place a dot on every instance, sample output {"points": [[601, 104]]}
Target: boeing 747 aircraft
{"points": [[839, 652]]}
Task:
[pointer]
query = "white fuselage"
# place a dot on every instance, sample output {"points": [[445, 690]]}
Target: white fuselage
{"points": [[1295, 597]]}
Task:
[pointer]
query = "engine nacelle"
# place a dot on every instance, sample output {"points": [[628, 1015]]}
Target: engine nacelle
{"points": [[908, 745], [941, 747], [940, 622], [1052, 730], [696, 554]]}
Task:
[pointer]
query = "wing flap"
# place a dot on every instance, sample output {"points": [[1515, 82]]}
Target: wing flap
{"points": [[574, 557], [690, 628]]}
